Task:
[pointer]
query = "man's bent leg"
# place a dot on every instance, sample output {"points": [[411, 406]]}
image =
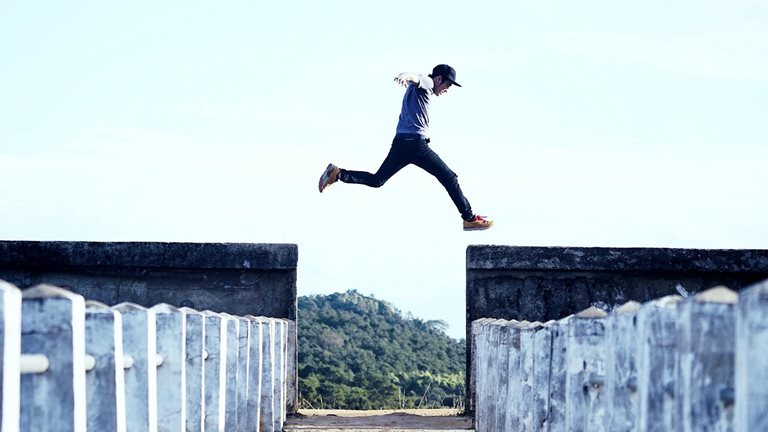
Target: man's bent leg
{"points": [[430, 162]]}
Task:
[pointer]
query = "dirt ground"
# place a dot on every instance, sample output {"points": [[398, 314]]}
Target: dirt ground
{"points": [[432, 419]]}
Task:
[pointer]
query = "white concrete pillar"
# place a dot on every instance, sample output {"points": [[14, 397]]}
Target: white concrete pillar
{"points": [[291, 368], [215, 371], [140, 366], [255, 364], [751, 359], [656, 325], [706, 349], [53, 325], [232, 326], [243, 368], [480, 329], [586, 371], [267, 383], [512, 406], [10, 352], [171, 373], [542, 371], [621, 368], [527, 393], [280, 376], [496, 379], [557, 413], [194, 369], [105, 383]]}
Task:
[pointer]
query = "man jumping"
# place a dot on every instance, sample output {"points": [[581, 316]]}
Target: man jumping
{"points": [[411, 144]]}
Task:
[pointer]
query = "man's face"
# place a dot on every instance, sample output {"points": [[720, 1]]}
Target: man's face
{"points": [[441, 85]]}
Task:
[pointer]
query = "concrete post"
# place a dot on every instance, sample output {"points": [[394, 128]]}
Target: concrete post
{"points": [[266, 393], [255, 364], [10, 352], [542, 357], [556, 416], [706, 348], [232, 325], [243, 368], [586, 371], [509, 368], [140, 352], [621, 368], [53, 324], [291, 368], [480, 374], [195, 369], [656, 324], [215, 371], [751, 359], [280, 372], [527, 383], [105, 383], [495, 378], [171, 373]]}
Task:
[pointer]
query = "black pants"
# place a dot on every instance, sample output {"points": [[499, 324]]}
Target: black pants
{"points": [[413, 149]]}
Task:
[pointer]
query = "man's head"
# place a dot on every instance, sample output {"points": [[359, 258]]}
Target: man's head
{"points": [[443, 76]]}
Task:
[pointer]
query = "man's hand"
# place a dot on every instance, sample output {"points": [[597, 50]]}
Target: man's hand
{"points": [[406, 78]]}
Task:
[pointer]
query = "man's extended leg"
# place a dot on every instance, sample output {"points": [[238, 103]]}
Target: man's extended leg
{"points": [[393, 163]]}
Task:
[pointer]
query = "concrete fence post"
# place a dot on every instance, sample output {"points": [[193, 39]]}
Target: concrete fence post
{"points": [[542, 373], [105, 383], [656, 324], [291, 368], [243, 367], [215, 371], [621, 368], [232, 325], [266, 393], [255, 364], [480, 355], [495, 377], [556, 416], [280, 373], [751, 359], [53, 325], [527, 383], [509, 366], [171, 372], [10, 353], [586, 371], [706, 348], [194, 368], [140, 366]]}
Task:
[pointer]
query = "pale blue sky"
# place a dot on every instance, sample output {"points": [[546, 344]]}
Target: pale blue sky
{"points": [[596, 123]]}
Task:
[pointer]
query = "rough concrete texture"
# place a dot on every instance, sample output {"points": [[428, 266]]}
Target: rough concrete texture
{"points": [[549, 283], [237, 278]]}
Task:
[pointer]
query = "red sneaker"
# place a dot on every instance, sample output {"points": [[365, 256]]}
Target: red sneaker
{"points": [[477, 223]]}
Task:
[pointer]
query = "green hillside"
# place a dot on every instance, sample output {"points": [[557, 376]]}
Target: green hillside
{"points": [[357, 352]]}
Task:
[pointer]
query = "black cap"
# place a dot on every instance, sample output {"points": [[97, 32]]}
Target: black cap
{"points": [[445, 71]]}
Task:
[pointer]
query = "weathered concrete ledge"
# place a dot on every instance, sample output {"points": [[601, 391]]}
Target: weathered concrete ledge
{"points": [[549, 283], [237, 278], [65, 254]]}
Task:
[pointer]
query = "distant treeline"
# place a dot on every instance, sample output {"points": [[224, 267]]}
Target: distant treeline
{"points": [[357, 352]]}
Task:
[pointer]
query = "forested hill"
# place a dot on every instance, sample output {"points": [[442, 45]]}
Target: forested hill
{"points": [[357, 352]]}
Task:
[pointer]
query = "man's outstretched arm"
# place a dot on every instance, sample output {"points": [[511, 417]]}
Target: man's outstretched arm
{"points": [[405, 78]]}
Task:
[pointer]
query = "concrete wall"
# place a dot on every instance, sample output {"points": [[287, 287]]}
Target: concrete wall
{"points": [[237, 278], [548, 283], [670, 364]]}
